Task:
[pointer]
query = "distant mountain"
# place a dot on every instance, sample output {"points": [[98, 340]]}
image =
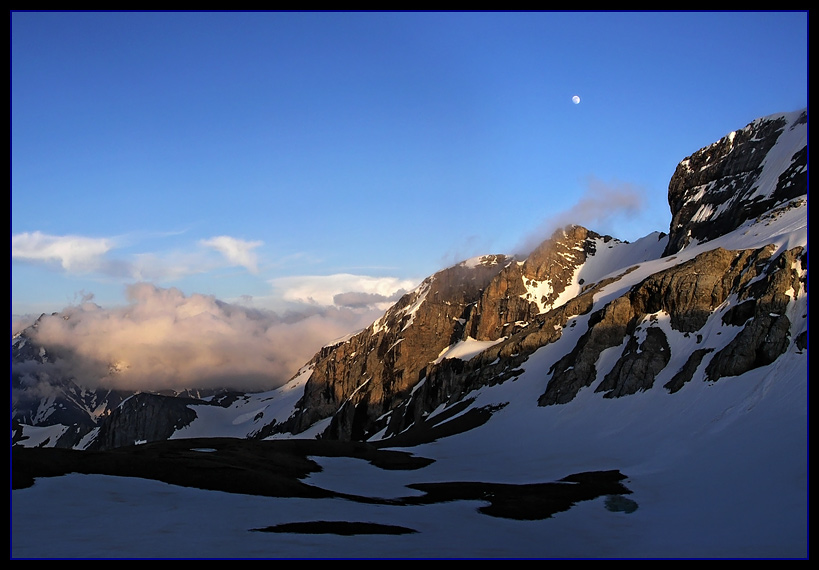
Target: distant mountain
{"points": [[724, 292]]}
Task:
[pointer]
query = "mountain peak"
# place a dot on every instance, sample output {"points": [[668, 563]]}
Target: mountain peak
{"points": [[739, 177]]}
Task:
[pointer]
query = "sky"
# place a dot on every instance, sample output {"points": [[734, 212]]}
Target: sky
{"points": [[315, 166]]}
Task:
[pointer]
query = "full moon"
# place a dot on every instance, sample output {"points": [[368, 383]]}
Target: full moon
{"points": [[575, 99]]}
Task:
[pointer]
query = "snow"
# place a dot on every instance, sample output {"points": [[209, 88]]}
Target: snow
{"points": [[466, 349], [537, 290], [481, 260], [242, 418], [43, 435]]}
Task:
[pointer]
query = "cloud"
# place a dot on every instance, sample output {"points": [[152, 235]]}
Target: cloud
{"points": [[236, 251], [164, 339], [76, 254], [341, 289], [167, 266], [86, 255], [600, 204], [360, 300]]}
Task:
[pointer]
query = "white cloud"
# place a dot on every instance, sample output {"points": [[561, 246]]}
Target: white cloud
{"points": [[236, 251], [87, 255], [324, 290], [75, 254]]}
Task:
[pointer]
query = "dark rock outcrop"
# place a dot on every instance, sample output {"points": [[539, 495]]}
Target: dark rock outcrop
{"points": [[144, 418], [765, 333], [686, 373], [639, 365]]}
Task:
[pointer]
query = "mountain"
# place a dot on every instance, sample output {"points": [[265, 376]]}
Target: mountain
{"points": [[669, 373], [477, 322]]}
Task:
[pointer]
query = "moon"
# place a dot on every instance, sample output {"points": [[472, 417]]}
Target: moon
{"points": [[576, 99]]}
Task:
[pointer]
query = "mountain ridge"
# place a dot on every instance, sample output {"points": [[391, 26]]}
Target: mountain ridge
{"points": [[499, 310]]}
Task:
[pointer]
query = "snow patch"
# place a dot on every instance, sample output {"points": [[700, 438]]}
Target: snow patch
{"points": [[466, 349]]}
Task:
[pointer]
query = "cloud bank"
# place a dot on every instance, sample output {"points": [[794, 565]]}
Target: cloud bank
{"points": [[163, 339]]}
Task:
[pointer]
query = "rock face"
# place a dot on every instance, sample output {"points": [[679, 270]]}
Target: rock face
{"points": [[743, 175], [761, 314], [450, 381]]}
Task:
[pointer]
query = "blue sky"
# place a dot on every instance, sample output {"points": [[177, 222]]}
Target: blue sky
{"points": [[277, 160]]}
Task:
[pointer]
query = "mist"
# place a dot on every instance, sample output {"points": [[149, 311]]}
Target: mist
{"points": [[601, 205], [163, 339]]}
